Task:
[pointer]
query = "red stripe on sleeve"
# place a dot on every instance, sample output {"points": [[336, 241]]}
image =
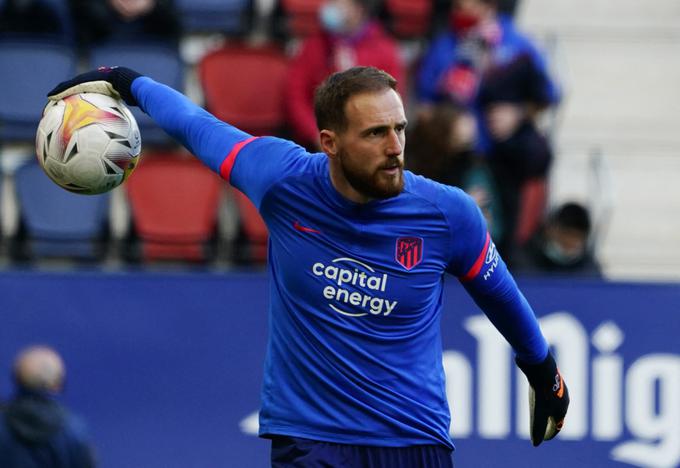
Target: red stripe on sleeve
{"points": [[228, 162], [472, 273]]}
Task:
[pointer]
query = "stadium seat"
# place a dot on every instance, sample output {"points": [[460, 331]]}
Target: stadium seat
{"points": [[48, 20], [174, 202], [409, 18], [62, 10], [532, 209], [28, 70], [253, 229], [244, 86], [158, 61], [57, 223], [229, 17]]}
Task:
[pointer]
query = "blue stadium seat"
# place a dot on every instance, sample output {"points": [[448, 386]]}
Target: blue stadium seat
{"points": [[159, 61], [28, 70], [57, 223], [53, 22], [62, 10], [224, 16]]}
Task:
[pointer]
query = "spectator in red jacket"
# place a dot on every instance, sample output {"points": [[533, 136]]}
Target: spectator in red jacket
{"points": [[350, 36]]}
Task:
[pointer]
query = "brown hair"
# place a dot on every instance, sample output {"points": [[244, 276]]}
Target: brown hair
{"points": [[332, 95]]}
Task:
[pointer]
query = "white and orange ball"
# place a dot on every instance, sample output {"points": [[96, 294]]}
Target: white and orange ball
{"points": [[88, 143]]}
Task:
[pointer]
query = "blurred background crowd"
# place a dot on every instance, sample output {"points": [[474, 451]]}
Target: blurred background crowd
{"points": [[484, 97]]}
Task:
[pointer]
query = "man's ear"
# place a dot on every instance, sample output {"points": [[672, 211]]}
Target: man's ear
{"points": [[327, 140]]}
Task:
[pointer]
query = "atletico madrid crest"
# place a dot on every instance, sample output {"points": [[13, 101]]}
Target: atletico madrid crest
{"points": [[409, 251]]}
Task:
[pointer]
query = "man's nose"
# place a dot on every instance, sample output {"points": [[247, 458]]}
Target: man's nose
{"points": [[395, 145]]}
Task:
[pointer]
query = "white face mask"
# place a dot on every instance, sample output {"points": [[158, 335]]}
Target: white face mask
{"points": [[557, 254], [333, 18]]}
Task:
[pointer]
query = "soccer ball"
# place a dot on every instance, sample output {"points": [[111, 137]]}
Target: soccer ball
{"points": [[88, 143]]}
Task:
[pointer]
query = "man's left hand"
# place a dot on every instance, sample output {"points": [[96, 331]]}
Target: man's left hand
{"points": [[548, 398]]}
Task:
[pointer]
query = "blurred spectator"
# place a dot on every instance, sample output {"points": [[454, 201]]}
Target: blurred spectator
{"points": [[35, 17], [485, 63], [351, 36], [479, 50], [35, 430], [562, 245], [100, 21], [509, 7], [441, 146]]}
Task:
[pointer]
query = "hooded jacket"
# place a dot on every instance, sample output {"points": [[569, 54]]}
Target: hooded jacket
{"points": [[36, 431]]}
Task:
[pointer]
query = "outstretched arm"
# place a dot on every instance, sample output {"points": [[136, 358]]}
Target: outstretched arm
{"points": [[251, 168], [488, 281], [210, 139]]}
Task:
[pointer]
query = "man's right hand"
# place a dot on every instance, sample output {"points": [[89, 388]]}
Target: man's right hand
{"points": [[112, 81]]}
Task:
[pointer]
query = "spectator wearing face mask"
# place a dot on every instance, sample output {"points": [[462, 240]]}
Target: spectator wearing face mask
{"points": [[484, 62], [350, 36], [562, 246]]}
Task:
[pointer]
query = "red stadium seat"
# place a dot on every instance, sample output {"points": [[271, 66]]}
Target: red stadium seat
{"points": [[409, 18], [301, 17], [174, 202], [532, 208], [253, 228], [244, 86]]}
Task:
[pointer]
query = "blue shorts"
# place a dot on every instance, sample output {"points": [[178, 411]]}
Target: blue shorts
{"points": [[289, 452]]}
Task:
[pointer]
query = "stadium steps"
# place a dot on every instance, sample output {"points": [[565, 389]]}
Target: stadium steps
{"points": [[618, 61]]}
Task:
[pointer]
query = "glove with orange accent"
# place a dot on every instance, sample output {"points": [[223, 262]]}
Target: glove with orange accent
{"points": [[112, 81], [548, 398]]}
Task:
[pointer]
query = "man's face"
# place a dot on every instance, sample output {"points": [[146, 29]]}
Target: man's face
{"points": [[342, 16], [565, 245], [368, 157]]}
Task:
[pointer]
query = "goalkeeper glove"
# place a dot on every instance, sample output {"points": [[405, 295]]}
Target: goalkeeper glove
{"points": [[112, 81], [548, 398]]}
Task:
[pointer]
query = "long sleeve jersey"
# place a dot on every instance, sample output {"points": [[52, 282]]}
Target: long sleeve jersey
{"points": [[354, 351]]}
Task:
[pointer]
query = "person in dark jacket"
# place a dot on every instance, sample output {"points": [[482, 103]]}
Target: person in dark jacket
{"points": [[35, 430], [562, 246]]}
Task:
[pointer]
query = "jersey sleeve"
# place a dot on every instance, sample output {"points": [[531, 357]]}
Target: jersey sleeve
{"points": [[263, 162], [483, 273], [251, 164]]}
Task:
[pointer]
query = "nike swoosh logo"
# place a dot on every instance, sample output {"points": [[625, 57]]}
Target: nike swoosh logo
{"points": [[302, 228]]}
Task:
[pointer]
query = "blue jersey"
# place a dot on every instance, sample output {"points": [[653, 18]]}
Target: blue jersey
{"points": [[354, 352]]}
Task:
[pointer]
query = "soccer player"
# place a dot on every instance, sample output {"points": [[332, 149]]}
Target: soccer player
{"points": [[358, 249]]}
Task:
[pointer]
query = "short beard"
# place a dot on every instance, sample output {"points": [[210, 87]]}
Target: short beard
{"points": [[368, 184]]}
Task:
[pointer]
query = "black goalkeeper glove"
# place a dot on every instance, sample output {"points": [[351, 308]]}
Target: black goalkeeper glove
{"points": [[548, 398], [112, 81]]}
